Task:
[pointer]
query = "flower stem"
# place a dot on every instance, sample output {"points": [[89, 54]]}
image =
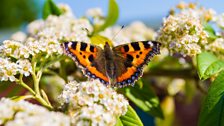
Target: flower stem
{"points": [[36, 80], [40, 96], [45, 96], [20, 81], [36, 77], [43, 102], [36, 83]]}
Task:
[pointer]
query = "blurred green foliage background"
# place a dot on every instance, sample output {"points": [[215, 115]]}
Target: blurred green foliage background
{"points": [[13, 13]]}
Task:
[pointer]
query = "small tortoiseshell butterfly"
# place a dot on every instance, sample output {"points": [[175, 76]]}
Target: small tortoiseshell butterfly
{"points": [[118, 66]]}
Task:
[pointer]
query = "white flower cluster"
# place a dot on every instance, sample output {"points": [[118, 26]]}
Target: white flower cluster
{"points": [[47, 35], [91, 103], [193, 10], [15, 56], [187, 41], [9, 69], [61, 28], [184, 34], [136, 31], [217, 47], [44, 36], [15, 49], [23, 113], [30, 47]]}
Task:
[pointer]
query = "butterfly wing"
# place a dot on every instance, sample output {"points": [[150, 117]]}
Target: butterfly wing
{"points": [[89, 58], [130, 59]]}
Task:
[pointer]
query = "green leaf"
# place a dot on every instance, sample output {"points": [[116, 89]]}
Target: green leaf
{"points": [[140, 83], [204, 60], [112, 16], [130, 118], [212, 112], [214, 68], [211, 32], [98, 39], [208, 65], [119, 123], [145, 99], [50, 8]]}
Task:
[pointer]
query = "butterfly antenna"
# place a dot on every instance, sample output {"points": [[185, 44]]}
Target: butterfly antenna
{"points": [[87, 30], [117, 32]]}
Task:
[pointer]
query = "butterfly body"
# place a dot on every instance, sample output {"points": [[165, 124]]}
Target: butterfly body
{"points": [[118, 66], [109, 61]]}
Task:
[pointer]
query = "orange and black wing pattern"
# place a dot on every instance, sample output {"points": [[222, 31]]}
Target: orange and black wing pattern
{"points": [[130, 59], [89, 58]]}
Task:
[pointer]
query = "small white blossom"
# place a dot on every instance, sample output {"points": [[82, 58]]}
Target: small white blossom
{"points": [[23, 113], [24, 67], [8, 70], [93, 103]]}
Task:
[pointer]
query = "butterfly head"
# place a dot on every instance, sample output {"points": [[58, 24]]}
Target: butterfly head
{"points": [[107, 46]]}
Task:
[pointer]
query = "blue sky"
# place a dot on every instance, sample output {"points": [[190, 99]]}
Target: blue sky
{"points": [[149, 11]]}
